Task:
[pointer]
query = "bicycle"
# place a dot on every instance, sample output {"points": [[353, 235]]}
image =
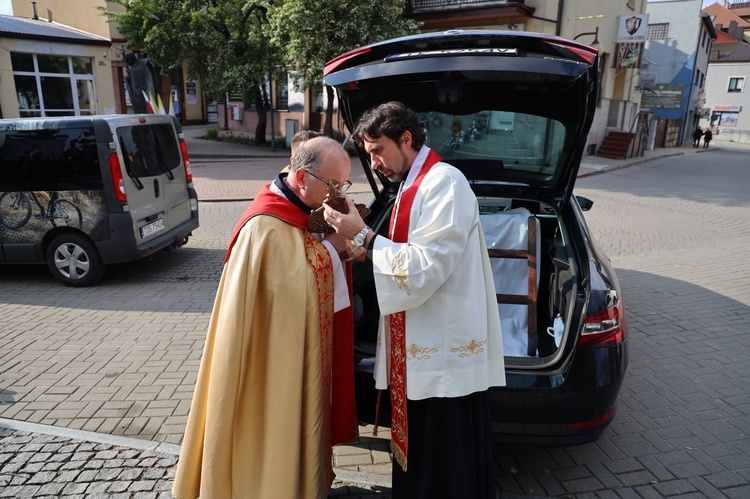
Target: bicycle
{"points": [[16, 210]]}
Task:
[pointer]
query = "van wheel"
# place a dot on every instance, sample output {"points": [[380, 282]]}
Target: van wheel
{"points": [[74, 260]]}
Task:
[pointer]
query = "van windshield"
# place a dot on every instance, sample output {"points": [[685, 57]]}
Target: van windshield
{"points": [[522, 142], [149, 150]]}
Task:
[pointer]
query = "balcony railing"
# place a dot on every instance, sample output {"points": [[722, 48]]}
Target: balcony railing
{"points": [[430, 5]]}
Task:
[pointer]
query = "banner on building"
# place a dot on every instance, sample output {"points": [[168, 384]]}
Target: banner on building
{"points": [[631, 41], [662, 96]]}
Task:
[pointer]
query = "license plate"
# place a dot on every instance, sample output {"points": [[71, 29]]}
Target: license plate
{"points": [[152, 228]]}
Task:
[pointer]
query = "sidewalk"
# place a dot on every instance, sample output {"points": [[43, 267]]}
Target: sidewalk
{"points": [[48, 461]]}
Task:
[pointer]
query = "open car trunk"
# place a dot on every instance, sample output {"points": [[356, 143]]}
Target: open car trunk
{"points": [[511, 111]]}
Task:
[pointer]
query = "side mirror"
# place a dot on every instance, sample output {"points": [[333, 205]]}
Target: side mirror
{"points": [[584, 203]]}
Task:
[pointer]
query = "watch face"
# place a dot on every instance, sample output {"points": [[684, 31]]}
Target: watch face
{"points": [[358, 240]]}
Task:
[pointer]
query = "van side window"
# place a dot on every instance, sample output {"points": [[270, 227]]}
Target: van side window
{"points": [[149, 150], [49, 160]]}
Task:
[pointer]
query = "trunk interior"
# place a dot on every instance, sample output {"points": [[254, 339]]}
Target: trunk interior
{"points": [[535, 279]]}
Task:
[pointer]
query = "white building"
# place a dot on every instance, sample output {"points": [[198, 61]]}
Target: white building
{"points": [[726, 101]]}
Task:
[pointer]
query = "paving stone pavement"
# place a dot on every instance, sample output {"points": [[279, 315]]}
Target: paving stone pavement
{"points": [[101, 458]]}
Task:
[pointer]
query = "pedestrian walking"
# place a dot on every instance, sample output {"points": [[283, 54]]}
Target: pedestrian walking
{"points": [[697, 134], [707, 138]]}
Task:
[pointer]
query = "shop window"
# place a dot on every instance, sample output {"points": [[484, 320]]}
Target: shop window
{"points": [[53, 64], [53, 85], [22, 62], [28, 96]]}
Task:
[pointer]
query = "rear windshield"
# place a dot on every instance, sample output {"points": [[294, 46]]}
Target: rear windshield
{"points": [[522, 142], [149, 150], [49, 159]]}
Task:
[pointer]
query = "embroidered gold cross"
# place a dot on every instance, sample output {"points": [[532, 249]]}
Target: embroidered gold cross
{"points": [[470, 349], [399, 275]]}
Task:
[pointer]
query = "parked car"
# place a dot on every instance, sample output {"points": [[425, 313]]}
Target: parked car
{"points": [[79, 193], [511, 110]]}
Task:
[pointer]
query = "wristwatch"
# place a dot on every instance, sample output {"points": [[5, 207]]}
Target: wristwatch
{"points": [[359, 237]]}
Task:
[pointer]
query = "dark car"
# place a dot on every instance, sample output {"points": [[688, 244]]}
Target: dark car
{"points": [[511, 110]]}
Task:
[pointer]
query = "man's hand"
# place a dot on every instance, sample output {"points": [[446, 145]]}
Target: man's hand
{"points": [[346, 225], [340, 244]]}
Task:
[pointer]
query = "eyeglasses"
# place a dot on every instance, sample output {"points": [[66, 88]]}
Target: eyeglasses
{"points": [[339, 187]]}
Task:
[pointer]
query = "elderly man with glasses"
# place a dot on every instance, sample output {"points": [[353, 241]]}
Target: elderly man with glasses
{"points": [[260, 420]]}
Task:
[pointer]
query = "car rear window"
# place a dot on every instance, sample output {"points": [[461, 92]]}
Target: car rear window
{"points": [[521, 141], [149, 150], [49, 159]]}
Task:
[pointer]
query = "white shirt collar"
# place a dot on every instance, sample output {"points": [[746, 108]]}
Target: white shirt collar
{"points": [[416, 167]]}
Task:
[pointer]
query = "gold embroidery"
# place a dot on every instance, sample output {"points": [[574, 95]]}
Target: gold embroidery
{"points": [[399, 275], [470, 349], [419, 353]]}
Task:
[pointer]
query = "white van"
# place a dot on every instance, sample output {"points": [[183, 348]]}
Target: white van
{"points": [[80, 193]]}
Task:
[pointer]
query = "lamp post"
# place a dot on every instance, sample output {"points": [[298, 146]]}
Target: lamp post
{"points": [[595, 44]]}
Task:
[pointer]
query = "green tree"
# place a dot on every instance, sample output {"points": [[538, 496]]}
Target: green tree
{"points": [[223, 43], [309, 33]]}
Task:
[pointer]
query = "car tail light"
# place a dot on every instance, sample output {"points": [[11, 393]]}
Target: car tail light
{"points": [[585, 52], [186, 161], [117, 182], [583, 425], [604, 328]]}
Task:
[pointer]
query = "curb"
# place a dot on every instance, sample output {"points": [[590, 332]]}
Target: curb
{"points": [[89, 436], [347, 477]]}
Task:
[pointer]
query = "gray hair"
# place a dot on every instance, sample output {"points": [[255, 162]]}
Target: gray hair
{"points": [[310, 154]]}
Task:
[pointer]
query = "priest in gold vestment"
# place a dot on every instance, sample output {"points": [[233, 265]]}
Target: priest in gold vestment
{"points": [[260, 420]]}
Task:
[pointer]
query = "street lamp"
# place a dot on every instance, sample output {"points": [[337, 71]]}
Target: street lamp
{"points": [[595, 44]]}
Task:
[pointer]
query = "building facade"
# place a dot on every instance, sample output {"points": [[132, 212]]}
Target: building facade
{"points": [[65, 58], [589, 21], [726, 109], [673, 76], [50, 69]]}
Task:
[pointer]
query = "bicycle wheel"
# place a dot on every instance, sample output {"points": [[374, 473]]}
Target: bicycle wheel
{"points": [[66, 213], [15, 209]]}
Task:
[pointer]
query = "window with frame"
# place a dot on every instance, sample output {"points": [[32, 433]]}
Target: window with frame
{"points": [[53, 85], [736, 84], [657, 31]]}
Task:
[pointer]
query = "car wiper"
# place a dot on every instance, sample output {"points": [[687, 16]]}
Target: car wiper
{"points": [[128, 159]]}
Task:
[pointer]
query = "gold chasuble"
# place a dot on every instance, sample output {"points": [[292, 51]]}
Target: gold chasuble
{"points": [[259, 424]]}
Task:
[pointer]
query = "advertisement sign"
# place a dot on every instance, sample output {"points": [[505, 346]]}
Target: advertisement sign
{"points": [[631, 41], [191, 96], [662, 96]]}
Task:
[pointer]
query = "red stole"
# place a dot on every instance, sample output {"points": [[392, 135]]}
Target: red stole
{"points": [[343, 410], [399, 233], [268, 203]]}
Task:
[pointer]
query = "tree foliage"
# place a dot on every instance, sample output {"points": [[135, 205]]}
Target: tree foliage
{"points": [[309, 33], [222, 41], [235, 44]]}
